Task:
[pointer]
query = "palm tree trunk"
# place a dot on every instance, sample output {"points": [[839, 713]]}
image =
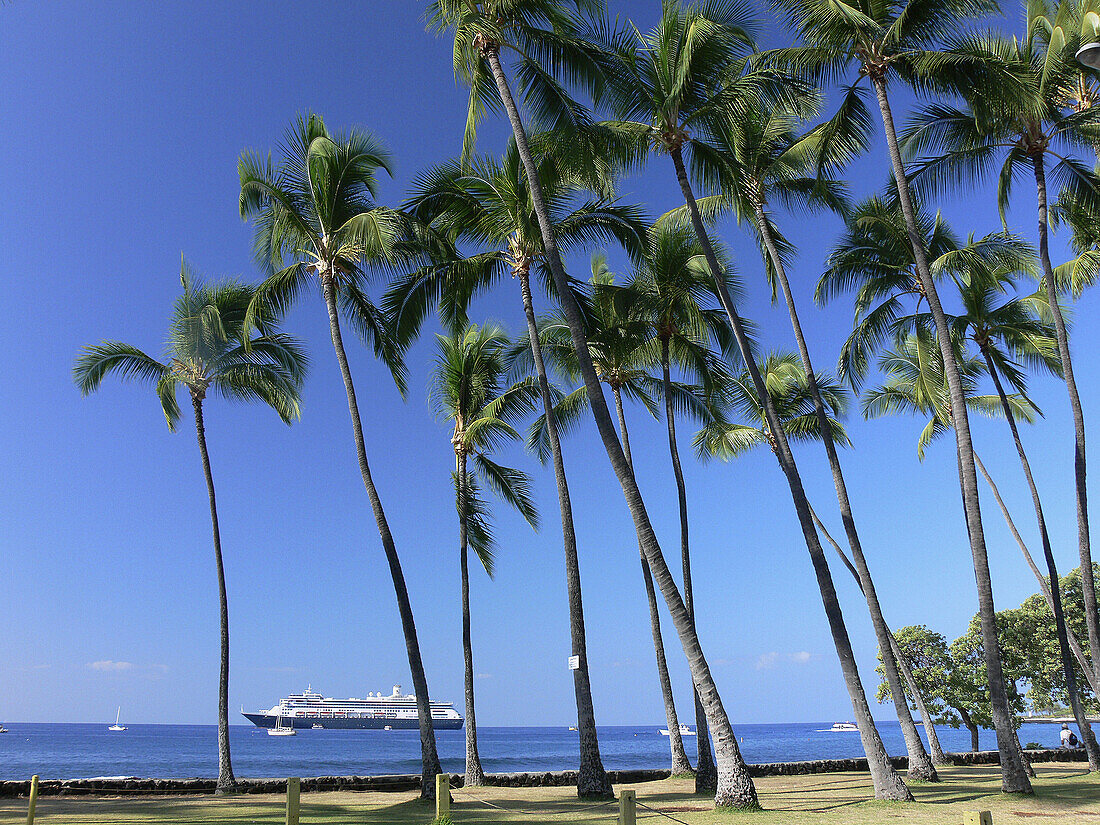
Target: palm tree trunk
{"points": [[887, 783], [970, 726], [428, 756], [735, 786], [1088, 583], [920, 766], [680, 762], [474, 774], [1052, 571], [592, 781], [226, 781], [706, 775], [1013, 772], [1044, 584], [938, 756]]}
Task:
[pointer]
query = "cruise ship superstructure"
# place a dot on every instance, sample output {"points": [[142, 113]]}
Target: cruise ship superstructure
{"points": [[313, 710]]}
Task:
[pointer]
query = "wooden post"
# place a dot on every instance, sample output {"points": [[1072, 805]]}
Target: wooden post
{"points": [[293, 791], [33, 801], [442, 797], [627, 807], [977, 818]]}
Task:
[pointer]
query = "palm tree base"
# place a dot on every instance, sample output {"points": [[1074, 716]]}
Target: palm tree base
{"points": [[226, 788], [594, 786], [922, 773], [706, 779]]}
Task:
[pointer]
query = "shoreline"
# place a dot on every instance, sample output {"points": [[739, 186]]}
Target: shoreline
{"points": [[131, 786]]}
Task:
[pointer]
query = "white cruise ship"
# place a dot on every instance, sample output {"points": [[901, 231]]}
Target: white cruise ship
{"points": [[312, 710]]}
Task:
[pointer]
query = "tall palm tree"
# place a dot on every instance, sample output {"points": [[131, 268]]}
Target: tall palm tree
{"points": [[468, 389], [316, 218], [673, 90], [622, 361], [209, 350], [887, 43], [543, 28], [1026, 131], [489, 204], [1008, 331], [765, 160], [673, 293]]}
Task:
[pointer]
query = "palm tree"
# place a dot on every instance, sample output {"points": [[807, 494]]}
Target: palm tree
{"points": [[542, 28], [316, 217], [209, 349], [489, 204], [671, 289], [1025, 130], [618, 343], [766, 160], [889, 42], [467, 389], [1008, 331], [674, 89]]}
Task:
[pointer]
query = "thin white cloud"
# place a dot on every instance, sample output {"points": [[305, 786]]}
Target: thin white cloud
{"points": [[766, 661], [110, 666], [801, 657], [484, 676]]}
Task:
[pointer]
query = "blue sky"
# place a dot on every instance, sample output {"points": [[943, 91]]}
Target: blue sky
{"points": [[119, 147]]}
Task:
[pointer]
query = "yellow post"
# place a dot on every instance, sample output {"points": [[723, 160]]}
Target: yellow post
{"points": [[442, 797], [293, 791], [627, 807], [977, 818], [33, 801]]}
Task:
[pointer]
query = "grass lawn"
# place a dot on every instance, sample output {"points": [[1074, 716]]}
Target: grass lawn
{"points": [[1063, 793]]}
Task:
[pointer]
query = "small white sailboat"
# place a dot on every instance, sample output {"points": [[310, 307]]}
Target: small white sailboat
{"points": [[684, 731], [2, 728], [116, 726], [281, 729]]}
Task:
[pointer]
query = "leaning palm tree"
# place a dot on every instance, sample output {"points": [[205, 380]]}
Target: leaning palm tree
{"points": [[533, 29], [209, 350], [623, 361], [1025, 132], [1008, 332], [765, 160], [888, 43], [316, 219], [673, 294], [489, 204], [468, 390], [674, 90]]}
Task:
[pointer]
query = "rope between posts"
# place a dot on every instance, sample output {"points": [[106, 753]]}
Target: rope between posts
{"points": [[659, 813], [488, 804]]}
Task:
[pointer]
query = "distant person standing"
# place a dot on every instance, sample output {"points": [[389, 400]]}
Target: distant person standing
{"points": [[1066, 735]]}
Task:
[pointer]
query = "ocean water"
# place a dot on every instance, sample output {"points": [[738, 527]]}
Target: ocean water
{"points": [[71, 751]]}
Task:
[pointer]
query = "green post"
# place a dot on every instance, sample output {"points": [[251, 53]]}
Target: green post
{"points": [[442, 797], [293, 790], [977, 818], [33, 802], [627, 807]]}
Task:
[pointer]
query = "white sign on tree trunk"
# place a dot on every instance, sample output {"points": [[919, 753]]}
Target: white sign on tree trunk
{"points": [[574, 662]]}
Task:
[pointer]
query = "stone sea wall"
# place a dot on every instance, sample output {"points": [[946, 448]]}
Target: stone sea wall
{"points": [[408, 782]]}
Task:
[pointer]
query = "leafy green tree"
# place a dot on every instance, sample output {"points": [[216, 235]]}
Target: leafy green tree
{"points": [[1024, 129], [468, 389], [534, 29], [209, 350], [902, 42], [490, 205], [316, 219], [673, 90]]}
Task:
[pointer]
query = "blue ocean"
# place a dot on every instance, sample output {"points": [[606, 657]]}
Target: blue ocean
{"points": [[72, 751]]}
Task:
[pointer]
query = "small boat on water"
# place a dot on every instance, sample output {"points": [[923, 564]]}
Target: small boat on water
{"points": [[3, 729], [116, 726], [318, 727], [840, 727], [282, 728], [684, 731], [572, 727]]}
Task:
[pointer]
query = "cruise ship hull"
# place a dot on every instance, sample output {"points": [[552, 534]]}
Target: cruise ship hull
{"points": [[267, 720]]}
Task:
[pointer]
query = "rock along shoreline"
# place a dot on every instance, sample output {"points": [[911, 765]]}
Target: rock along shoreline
{"points": [[410, 782]]}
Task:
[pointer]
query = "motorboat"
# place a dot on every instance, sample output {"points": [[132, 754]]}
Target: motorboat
{"points": [[684, 731]]}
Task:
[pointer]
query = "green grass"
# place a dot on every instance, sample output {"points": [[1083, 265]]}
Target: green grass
{"points": [[1063, 794]]}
